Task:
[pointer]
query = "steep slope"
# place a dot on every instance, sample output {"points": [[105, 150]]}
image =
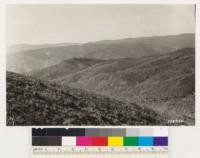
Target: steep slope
{"points": [[162, 82], [64, 68], [29, 60], [35, 102]]}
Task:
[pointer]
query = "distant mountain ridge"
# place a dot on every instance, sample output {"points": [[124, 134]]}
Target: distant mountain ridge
{"points": [[25, 47], [35, 59]]}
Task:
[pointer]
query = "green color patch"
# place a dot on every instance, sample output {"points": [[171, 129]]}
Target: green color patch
{"points": [[130, 141]]}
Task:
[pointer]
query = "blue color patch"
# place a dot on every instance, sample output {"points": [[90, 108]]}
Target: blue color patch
{"points": [[145, 141]]}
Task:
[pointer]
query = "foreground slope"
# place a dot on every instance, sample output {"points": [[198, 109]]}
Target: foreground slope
{"points": [[35, 59], [35, 102]]}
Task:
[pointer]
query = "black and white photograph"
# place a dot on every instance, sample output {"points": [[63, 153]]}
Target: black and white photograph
{"points": [[100, 64]]}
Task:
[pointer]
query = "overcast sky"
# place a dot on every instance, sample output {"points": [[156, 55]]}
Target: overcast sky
{"points": [[42, 24]]}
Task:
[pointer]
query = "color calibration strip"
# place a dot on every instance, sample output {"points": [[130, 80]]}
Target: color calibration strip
{"points": [[100, 143], [113, 137]]}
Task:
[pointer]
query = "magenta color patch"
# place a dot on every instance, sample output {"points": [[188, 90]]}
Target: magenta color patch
{"points": [[83, 141]]}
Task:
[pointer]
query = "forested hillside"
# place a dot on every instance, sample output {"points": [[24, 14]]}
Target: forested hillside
{"points": [[35, 102]]}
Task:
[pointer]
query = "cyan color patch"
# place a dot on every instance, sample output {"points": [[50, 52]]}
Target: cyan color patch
{"points": [[145, 141]]}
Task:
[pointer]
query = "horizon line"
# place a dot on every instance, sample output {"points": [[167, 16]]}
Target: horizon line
{"points": [[87, 42]]}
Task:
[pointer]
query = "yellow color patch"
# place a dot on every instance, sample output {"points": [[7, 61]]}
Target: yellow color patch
{"points": [[115, 141]]}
